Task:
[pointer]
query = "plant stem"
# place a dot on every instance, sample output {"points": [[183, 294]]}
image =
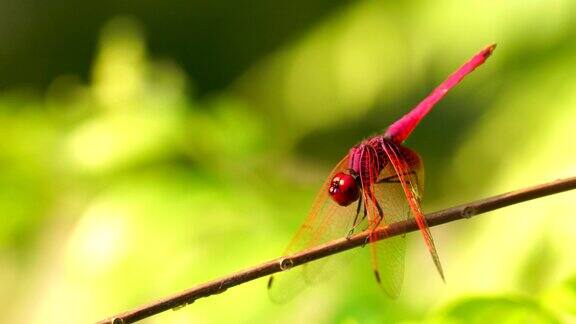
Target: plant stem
{"points": [[267, 268]]}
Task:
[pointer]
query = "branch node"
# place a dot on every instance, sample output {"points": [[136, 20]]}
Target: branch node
{"points": [[286, 263], [220, 289], [469, 211], [179, 307]]}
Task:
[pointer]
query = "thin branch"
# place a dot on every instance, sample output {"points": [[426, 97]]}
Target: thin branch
{"points": [[440, 217]]}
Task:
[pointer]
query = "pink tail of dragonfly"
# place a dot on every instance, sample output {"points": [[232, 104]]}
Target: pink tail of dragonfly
{"points": [[401, 129]]}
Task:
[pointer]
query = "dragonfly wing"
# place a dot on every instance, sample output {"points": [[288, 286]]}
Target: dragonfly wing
{"points": [[388, 255], [408, 169], [341, 222], [385, 204], [325, 222], [390, 196]]}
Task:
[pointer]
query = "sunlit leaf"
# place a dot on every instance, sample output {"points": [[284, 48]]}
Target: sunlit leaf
{"points": [[497, 310]]}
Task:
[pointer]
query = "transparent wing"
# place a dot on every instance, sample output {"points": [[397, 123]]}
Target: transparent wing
{"points": [[326, 221], [389, 254], [408, 168]]}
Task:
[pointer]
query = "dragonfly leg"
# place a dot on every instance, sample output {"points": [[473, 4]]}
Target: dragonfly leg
{"points": [[356, 222], [380, 218], [394, 178], [380, 213], [367, 238]]}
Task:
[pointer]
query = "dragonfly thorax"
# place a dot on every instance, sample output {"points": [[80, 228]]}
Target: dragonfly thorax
{"points": [[367, 159]]}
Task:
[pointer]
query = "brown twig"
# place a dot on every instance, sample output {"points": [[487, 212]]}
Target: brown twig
{"points": [[440, 217]]}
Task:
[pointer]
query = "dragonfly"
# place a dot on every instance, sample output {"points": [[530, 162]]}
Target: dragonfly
{"points": [[379, 182]]}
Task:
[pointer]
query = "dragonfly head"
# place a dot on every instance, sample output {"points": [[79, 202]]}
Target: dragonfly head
{"points": [[344, 188]]}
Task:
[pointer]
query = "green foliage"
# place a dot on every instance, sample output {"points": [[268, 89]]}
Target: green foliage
{"points": [[499, 310], [130, 187]]}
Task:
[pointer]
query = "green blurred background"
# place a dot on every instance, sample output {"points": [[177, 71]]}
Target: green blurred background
{"points": [[150, 146]]}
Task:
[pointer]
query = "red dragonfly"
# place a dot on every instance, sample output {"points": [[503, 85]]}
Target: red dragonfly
{"points": [[379, 182]]}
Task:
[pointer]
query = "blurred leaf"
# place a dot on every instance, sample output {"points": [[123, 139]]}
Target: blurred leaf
{"points": [[539, 263], [27, 147], [117, 141], [226, 133], [570, 301], [497, 310], [562, 297], [120, 68]]}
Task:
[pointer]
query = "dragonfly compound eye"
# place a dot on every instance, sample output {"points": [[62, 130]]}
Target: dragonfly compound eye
{"points": [[344, 189]]}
